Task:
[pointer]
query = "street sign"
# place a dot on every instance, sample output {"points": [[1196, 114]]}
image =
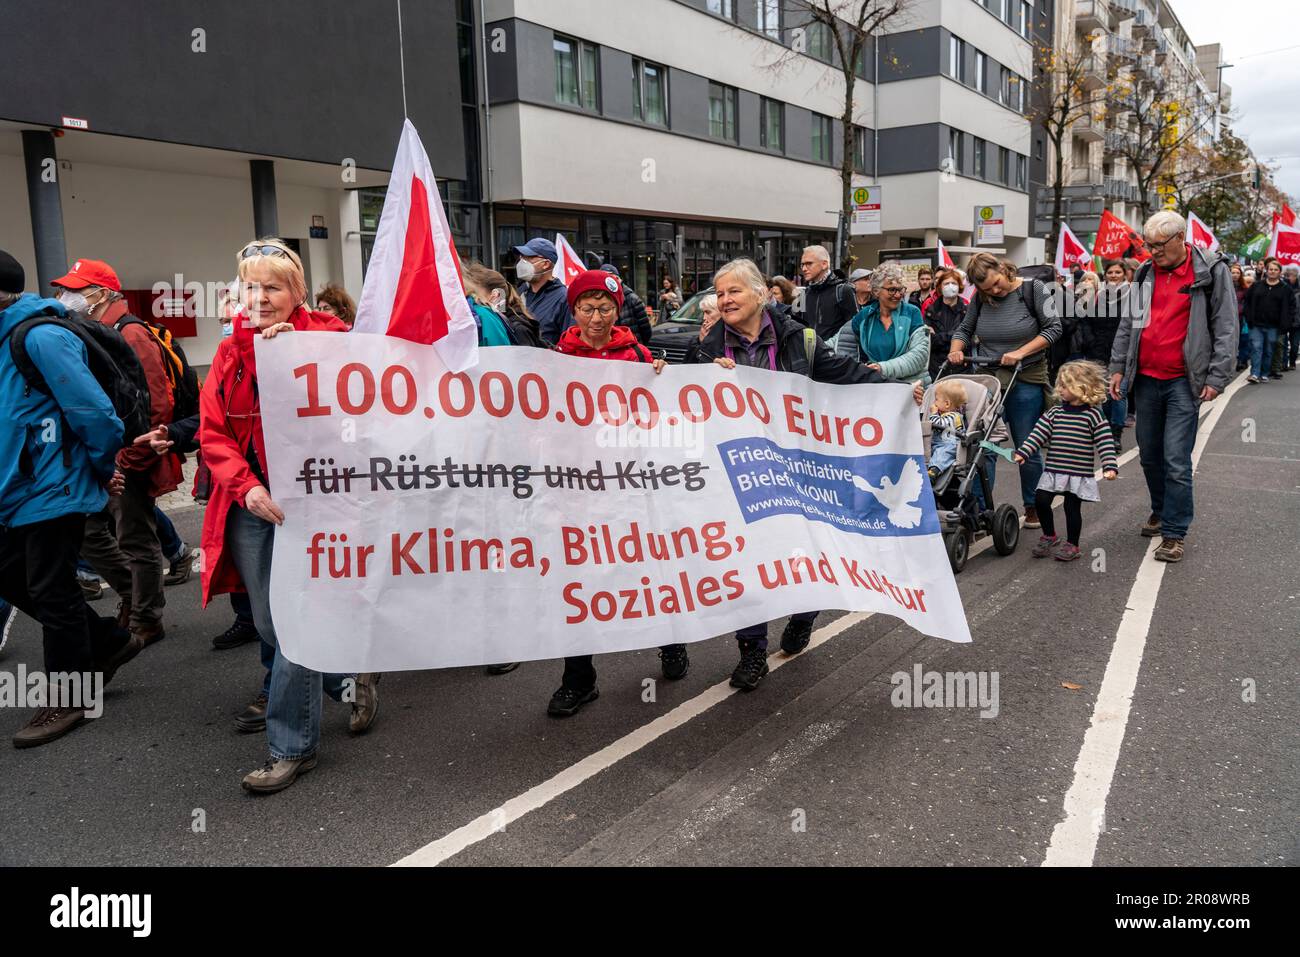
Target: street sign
{"points": [[990, 225], [866, 211]]}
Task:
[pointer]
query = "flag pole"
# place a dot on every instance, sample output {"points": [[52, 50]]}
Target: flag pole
{"points": [[401, 58]]}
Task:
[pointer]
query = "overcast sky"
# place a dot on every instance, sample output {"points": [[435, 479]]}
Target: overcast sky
{"points": [[1264, 83]]}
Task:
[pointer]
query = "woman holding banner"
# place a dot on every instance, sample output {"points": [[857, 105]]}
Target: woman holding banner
{"points": [[239, 524], [754, 334], [595, 300]]}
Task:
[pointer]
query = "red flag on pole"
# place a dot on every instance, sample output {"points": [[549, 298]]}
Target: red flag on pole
{"points": [[1198, 234], [1071, 252], [1116, 239], [945, 261], [413, 287], [1288, 215], [570, 266]]}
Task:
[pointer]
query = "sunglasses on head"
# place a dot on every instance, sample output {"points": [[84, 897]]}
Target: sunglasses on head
{"points": [[256, 249]]}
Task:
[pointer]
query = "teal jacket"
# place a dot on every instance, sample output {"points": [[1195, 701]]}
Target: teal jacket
{"points": [[909, 360], [491, 327], [38, 481]]}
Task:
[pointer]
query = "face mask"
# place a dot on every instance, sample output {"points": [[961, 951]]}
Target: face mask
{"points": [[498, 305], [75, 303], [949, 290], [524, 270]]}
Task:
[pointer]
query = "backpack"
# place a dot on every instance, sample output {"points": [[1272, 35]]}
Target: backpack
{"points": [[521, 333], [112, 362], [184, 380], [810, 348]]}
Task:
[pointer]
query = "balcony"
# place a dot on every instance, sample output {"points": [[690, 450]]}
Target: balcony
{"points": [[1123, 9], [1119, 189], [1094, 16], [1085, 175], [1160, 48], [1092, 73], [1142, 25], [1123, 50], [1089, 129], [1119, 142]]}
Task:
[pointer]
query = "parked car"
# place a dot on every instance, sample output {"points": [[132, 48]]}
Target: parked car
{"points": [[671, 336]]}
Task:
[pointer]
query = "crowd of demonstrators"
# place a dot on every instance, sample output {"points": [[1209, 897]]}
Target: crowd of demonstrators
{"points": [[1017, 320], [1174, 350], [891, 336], [943, 312], [1270, 314], [828, 298], [59, 446], [1097, 328], [543, 294]]}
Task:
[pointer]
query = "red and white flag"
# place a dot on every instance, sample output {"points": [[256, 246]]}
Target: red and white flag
{"points": [[570, 265], [1285, 244], [1287, 216], [413, 287], [1198, 234], [945, 261], [1071, 252]]}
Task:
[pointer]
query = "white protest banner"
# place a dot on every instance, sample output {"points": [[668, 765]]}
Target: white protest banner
{"points": [[540, 505]]}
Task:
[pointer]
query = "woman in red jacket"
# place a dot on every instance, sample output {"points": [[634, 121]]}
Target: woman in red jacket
{"points": [[595, 299], [239, 524]]}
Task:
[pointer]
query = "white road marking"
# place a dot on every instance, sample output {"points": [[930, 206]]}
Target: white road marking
{"points": [[1074, 839]]}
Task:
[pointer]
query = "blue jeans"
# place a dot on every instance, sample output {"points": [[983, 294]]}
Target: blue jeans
{"points": [[1021, 412], [294, 704], [755, 636], [1115, 411], [1166, 432], [943, 452], [1262, 342], [171, 542]]}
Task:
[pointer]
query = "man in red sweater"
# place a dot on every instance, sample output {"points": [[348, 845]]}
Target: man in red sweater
{"points": [[131, 560]]}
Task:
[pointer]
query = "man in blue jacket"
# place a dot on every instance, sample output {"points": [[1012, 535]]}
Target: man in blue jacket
{"points": [[544, 295], [47, 487]]}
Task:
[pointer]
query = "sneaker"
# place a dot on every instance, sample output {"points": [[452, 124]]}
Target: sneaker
{"points": [[253, 718], [7, 615], [1031, 517], [277, 774], [1151, 528], [674, 662], [1067, 552], [1252, 379], [1262, 378], [91, 588], [180, 569], [933, 473], [502, 669], [751, 669], [234, 636], [1130, 422], [568, 701], [366, 707], [1045, 545], [1170, 550], [48, 724], [796, 636]]}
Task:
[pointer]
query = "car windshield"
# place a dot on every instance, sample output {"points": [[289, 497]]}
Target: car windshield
{"points": [[691, 311]]}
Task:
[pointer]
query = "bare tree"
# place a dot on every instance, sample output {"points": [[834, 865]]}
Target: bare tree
{"points": [[1065, 98]]}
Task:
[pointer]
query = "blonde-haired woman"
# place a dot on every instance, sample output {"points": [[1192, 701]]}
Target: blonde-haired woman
{"points": [[239, 524]]}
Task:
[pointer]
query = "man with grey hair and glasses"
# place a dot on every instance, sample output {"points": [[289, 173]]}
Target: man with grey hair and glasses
{"points": [[1174, 350], [828, 301]]}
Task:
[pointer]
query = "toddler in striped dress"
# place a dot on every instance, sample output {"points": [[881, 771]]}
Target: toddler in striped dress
{"points": [[1075, 434]]}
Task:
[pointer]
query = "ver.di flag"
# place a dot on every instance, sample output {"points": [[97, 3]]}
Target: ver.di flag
{"points": [[1071, 252], [570, 266], [1199, 234], [1285, 246], [413, 288], [945, 261]]}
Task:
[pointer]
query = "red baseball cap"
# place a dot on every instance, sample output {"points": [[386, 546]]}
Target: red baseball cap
{"points": [[89, 272]]}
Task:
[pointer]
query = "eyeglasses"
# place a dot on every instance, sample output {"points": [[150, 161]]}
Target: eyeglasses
{"points": [[253, 249], [587, 312], [894, 290], [1156, 247]]}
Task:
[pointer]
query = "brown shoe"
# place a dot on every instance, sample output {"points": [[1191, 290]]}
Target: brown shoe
{"points": [[124, 613], [1031, 517], [253, 718], [1170, 550], [277, 774], [366, 707], [47, 725], [133, 646], [1151, 528], [150, 634]]}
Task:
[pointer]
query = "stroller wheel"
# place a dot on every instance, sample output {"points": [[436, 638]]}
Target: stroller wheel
{"points": [[958, 546], [1006, 529]]}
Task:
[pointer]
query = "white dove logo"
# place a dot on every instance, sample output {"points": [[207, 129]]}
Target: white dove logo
{"points": [[896, 495]]}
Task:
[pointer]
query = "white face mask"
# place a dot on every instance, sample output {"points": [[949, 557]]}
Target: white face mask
{"points": [[498, 304], [75, 303], [949, 290], [525, 271]]}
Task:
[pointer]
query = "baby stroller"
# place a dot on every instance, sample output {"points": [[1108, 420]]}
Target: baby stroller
{"points": [[961, 518]]}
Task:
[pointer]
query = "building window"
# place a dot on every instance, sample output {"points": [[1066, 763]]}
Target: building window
{"points": [[957, 59], [1004, 86], [768, 17], [859, 149], [820, 44], [650, 92], [1016, 93], [772, 133], [722, 112], [1004, 166], [1022, 170], [1026, 19], [979, 158], [1038, 149], [954, 152], [981, 71], [577, 73], [822, 131], [722, 8]]}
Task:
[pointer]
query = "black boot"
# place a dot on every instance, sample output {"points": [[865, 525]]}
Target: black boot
{"points": [[751, 670], [674, 661]]}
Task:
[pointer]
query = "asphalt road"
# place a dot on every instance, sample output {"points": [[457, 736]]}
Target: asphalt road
{"points": [[815, 767]]}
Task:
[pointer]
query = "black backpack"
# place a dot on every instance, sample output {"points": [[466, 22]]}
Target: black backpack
{"points": [[112, 362], [521, 330], [184, 380]]}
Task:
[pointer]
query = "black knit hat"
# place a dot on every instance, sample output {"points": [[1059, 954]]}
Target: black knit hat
{"points": [[12, 278]]}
